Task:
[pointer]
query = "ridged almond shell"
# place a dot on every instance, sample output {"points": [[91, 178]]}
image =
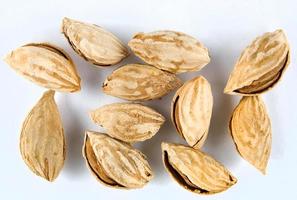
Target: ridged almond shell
{"points": [[191, 111], [128, 122], [114, 163], [95, 44], [260, 66], [42, 142], [250, 128], [195, 170], [171, 51], [140, 82], [46, 65]]}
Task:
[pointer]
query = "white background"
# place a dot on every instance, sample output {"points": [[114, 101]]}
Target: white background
{"points": [[225, 27]]}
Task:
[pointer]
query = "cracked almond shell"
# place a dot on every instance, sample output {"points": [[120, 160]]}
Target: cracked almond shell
{"points": [[195, 170], [250, 128], [115, 163], [95, 44], [46, 65], [42, 142], [129, 122], [260, 66], [191, 111], [140, 82], [171, 51]]}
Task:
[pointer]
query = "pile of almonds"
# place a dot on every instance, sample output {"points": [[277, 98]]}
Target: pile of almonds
{"points": [[110, 156]]}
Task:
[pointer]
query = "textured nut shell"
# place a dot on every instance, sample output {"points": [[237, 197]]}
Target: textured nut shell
{"points": [[128, 122], [171, 51], [251, 131], [260, 65], [45, 65], [195, 170], [42, 142], [95, 166], [93, 43], [191, 111], [140, 82], [114, 163]]}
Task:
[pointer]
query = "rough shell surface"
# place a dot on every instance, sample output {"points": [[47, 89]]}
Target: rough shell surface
{"points": [[114, 163], [140, 82], [191, 111], [45, 65], [260, 65], [250, 128], [128, 122], [195, 170], [171, 51], [93, 43], [42, 142]]}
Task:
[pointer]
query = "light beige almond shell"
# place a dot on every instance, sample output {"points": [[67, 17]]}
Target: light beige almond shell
{"points": [[128, 122], [170, 51], [114, 163], [191, 111], [260, 65], [45, 65], [95, 44], [195, 170], [42, 142], [251, 131], [140, 82]]}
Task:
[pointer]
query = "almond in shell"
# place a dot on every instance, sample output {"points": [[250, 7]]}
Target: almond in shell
{"points": [[250, 128], [46, 65], [42, 142], [95, 44], [115, 163], [195, 170], [171, 51], [261, 65], [191, 111], [140, 82], [129, 122]]}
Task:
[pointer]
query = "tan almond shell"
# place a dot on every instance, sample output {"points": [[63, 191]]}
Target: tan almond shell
{"points": [[46, 65], [191, 111], [250, 128], [171, 51], [129, 122], [42, 142], [260, 66], [95, 167], [195, 170], [115, 163], [140, 82], [95, 44]]}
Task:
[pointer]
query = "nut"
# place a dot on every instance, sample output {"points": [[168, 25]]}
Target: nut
{"points": [[114, 163], [191, 111], [251, 131], [128, 122], [42, 142], [260, 66], [170, 51], [140, 82], [45, 65], [195, 170], [95, 44]]}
